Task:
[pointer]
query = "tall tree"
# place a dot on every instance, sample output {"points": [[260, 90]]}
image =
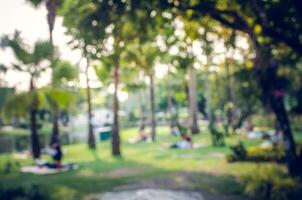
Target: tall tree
{"points": [[30, 62], [145, 55], [106, 29], [52, 7], [59, 96]]}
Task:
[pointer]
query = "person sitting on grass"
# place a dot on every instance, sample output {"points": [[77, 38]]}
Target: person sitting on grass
{"points": [[56, 153], [186, 143], [175, 131], [142, 134]]}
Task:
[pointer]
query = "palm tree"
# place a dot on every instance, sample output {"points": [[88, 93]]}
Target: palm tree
{"points": [[32, 63], [145, 55], [51, 6], [59, 97]]}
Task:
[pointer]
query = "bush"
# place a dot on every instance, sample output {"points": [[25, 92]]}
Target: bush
{"points": [[272, 153], [271, 183], [238, 153], [217, 137], [257, 153]]}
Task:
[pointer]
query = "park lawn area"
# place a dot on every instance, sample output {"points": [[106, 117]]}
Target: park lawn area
{"points": [[204, 168]]}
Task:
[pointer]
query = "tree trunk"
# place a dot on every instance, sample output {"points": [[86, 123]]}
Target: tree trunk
{"points": [[275, 96], [55, 127], [229, 111], [115, 126], [193, 107], [143, 109], [35, 144], [152, 102], [273, 92], [278, 107], [241, 119], [91, 139], [170, 104], [51, 6]]}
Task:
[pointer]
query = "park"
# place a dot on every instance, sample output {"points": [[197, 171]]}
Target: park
{"points": [[157, 99]]}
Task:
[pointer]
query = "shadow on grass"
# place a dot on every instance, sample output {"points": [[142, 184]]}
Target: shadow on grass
{"points": [[101, 176]]}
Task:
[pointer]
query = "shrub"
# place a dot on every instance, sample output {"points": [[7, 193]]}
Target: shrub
{"points": [[271, 183], [217, 137], [271, 153], [238, 153], [257, 153]]}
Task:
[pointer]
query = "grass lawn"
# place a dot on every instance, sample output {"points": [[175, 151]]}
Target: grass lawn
{"points": [[204, 168]]}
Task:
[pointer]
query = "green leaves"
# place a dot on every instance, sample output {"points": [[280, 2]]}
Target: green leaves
{"points": [[191, 28], [63, 71], [35, 2], [29, 60], [103, 72], [43, 50], [3, 68], [20, 104], [19, 48], [60, 98]]}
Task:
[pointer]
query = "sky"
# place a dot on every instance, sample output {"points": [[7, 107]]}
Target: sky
{"points": [[22, 16]]}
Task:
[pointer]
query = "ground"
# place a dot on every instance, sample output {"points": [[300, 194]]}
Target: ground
{"points": [[149, 165]]}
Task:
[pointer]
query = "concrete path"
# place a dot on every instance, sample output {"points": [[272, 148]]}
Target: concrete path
{"points": [[152, 194]]}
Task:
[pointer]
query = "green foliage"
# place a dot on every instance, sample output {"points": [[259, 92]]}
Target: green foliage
{"points": [[63, 71], [35, 2], [19, 104], [29, 59], [19, 48], [3, 68], [103, 71], [256, 153], [238, 152], [5, 93], [10, 167], [43, 50], [271, 183], [60, 98], [217, 137]]}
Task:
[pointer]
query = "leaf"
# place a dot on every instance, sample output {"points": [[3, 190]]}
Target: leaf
{"points": [[43, 50], [64, 71]]}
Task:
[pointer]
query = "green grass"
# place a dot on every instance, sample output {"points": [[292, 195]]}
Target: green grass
{"points": [[205, 168]]}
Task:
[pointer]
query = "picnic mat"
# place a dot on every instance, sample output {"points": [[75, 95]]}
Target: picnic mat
{"points": [[46, 171]]}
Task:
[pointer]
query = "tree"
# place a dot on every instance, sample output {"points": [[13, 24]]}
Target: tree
{"points": [[52, 7], [79, 25], [144, 56], [104, 28], [30, 62], [267, 29], [59, 97]]}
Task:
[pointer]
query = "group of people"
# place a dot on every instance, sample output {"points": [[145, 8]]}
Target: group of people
{"points": [[185, 143]]}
